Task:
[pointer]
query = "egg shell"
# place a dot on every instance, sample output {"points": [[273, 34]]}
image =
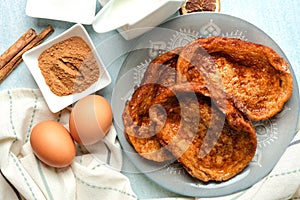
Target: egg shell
{"points": [[52, 143], [90, 119]]}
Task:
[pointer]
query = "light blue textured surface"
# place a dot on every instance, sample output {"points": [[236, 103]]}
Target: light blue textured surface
{"points": [[279, 19]]}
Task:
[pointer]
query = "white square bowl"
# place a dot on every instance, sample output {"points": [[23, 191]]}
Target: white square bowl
{"points": [[57, 103]]}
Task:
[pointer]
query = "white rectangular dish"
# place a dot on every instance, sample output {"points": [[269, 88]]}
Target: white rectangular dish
{"points": [[78, 11]]}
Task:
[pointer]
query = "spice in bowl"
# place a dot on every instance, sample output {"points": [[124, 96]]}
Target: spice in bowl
{"points": [[69, 66]]}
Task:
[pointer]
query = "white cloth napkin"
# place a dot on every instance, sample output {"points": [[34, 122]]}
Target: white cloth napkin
{"points": [[94, 173]]}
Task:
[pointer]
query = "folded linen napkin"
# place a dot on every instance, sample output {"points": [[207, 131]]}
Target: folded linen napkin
{"points": [[94, 173]]}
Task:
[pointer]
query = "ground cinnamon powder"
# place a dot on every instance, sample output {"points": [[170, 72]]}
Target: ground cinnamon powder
{"points": [[69, 66]]}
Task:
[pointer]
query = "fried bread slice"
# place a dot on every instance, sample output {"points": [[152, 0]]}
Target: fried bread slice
{"points": [[235, 118], [254, 77], [199, 136], [139, 130]]}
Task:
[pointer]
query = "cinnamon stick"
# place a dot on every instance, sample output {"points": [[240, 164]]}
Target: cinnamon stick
{"points": [[15, 61], [24, 40]]}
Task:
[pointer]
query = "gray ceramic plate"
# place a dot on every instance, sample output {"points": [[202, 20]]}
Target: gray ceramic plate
{"points": [[273, 134]]}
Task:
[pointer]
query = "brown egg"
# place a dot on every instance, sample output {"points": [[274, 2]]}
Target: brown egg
{"points": [[52, 144], [90, 119]]}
